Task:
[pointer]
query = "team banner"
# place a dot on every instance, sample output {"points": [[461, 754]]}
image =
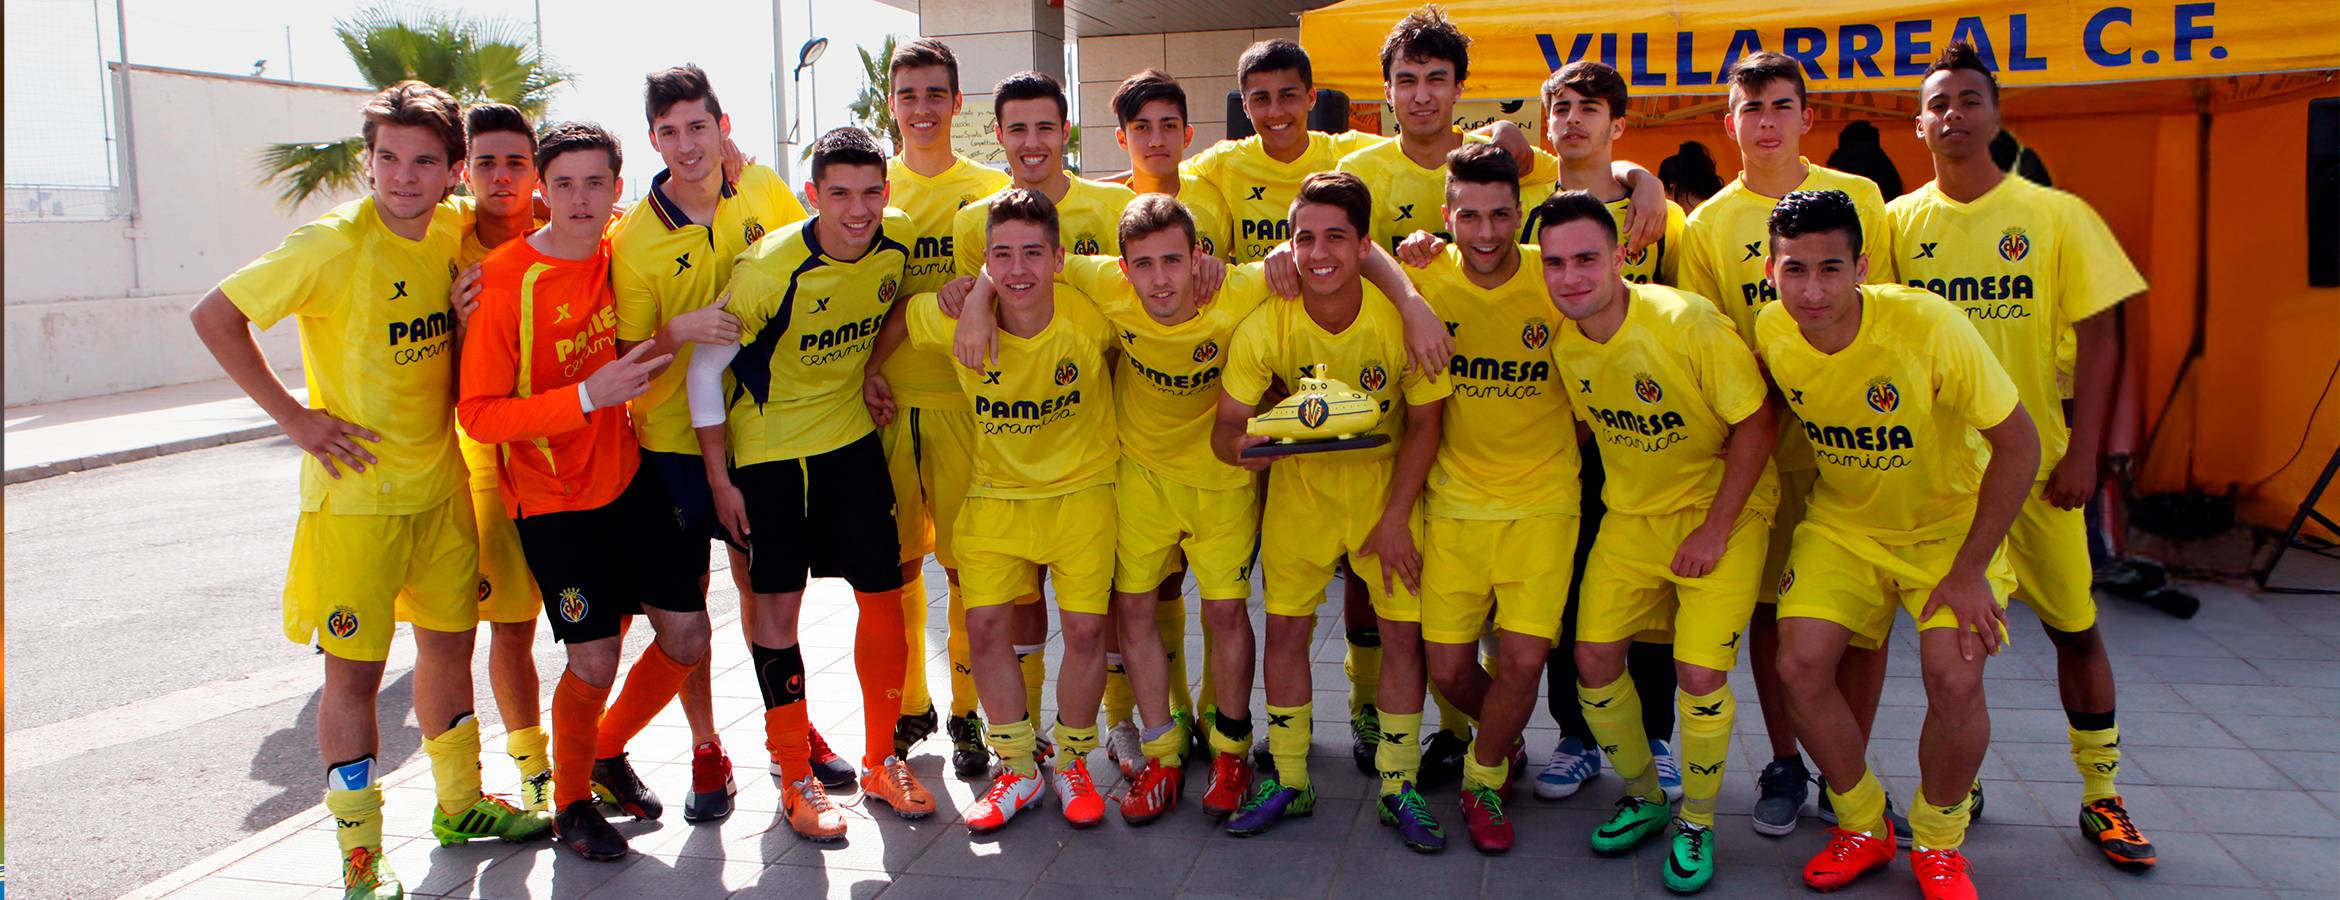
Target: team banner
{"points": [[1683, 46]]}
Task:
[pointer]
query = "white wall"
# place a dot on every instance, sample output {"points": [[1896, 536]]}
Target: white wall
{"points": [[1202, 61], [100, 307]]}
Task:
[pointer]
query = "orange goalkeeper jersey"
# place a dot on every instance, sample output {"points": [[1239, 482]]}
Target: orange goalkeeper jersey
{"points": [[543, 325]]}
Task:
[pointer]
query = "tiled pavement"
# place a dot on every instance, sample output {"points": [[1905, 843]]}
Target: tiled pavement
{"points": [[2231, 723]]}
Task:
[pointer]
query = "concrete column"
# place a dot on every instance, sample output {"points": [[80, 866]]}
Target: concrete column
{"points": [[994, 39]]}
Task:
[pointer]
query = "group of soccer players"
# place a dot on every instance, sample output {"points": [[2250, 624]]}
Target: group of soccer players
{"points": [[1806, 407]]}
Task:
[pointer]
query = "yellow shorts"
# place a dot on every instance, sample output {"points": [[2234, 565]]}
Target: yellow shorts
{"points": [[1217, 530], [943, 447], [1851, 579], [353, 577], [1794, 489], [1516, 568], [507, 589], [1316, 512], [1003, 544], [2048, 548], [1630, 587], [912, 529]]}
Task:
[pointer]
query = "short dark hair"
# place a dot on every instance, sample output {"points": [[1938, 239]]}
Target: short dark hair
{"points": [[573, 137], [1481, 163], [412, 102], [1691, 169], [1341, 189], [925, 53], [1590, 78], [1151, 213], [1961, 55], [662, 89], [1426, 34], [1275, 55], [1028, 85], [1143, 88], [489, 118], [1811, 212], [846, 145], [1571, 206], [1020, 205], [1755, 70]]}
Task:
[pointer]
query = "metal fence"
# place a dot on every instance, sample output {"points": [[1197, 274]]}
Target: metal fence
{"points": [[61, 127]]}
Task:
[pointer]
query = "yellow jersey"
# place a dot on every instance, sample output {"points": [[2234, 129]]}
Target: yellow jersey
{"points": [[2024, 262], [377, 342], [1659, 263], [1661, 396], [1509, 448], [1166, 386], [921, 379], [1409, 198], [1044, 412], [478, 457], [1256, 190], [1210, 214], [1281, 340], [662, 265], [807, 321], [1727, 240], [1088, 222], [1894, 418]]}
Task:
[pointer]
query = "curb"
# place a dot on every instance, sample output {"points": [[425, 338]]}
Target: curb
{"points": [[116, 457]]}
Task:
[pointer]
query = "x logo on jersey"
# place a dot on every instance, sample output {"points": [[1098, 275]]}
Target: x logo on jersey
{"points": [[1405, 211], [1733, 643], [1258, 192], [821, 305], [1796, 396], [1453, 329], [682, 262], [1128, 336], [401, 287], [560, 313], [1754, 249], [1926, 249], [991, 376], [1584, 385]]}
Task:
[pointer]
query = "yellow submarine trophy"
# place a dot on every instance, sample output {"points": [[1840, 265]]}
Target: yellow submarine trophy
{"points": [[1321, 416]]}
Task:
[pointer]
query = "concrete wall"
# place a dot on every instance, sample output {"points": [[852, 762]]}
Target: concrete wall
{"points": [[1202, 61], [100, 307]]}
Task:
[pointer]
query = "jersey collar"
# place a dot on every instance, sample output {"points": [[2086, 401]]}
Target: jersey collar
{"points": [[670, 214]]}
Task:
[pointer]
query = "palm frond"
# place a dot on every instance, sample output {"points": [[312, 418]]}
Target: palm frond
{"points": [[304, 170]]}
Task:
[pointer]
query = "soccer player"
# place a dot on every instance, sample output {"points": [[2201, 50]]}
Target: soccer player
{"points": [[671, 255], [930, 447], [1361, 504], [385, 531], [1925, 456], [1041, 496], [1584, 109], [2026, 263], [1501, 518], [544, 389], [796, 468], [1256, 178], [1725, 247], [1683, 419]]}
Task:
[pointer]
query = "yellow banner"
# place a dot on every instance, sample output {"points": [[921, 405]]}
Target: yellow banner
{"points": [[1683, 46]]}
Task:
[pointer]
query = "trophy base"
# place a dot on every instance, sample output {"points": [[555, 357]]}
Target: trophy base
{"points": [[1272, 450]]}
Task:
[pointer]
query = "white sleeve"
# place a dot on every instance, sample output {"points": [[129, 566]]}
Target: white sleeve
{"points": [[704, 381], [584, 400]]}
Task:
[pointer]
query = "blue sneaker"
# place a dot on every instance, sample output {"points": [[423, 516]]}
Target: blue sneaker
{"points": [[1573, 763], [1406, 812], [1669, 770], [1271, 802]]}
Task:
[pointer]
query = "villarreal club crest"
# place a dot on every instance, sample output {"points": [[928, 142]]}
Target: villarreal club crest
{"points": [[1321, 416]]}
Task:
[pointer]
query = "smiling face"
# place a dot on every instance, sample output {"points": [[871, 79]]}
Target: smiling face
{"points": [[1768, 123], [1022, 259], [1327, 246], [1818, 276], [580, 188], [1582, 269], [1957, 117], [923, 104], [850, 200], [1277, 103], [1156, 138], [1032, 133], [501, 172], [690, 140], [1484, 219], [1582, 127], [1160, 267], [409, 170], [1421, 92]]}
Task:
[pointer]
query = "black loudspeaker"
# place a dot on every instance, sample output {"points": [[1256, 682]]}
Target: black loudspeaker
{"points": [[2323, 192], [1330, 116]]}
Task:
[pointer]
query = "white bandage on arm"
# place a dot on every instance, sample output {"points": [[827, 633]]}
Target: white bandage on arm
{"points": [[704, 381]]}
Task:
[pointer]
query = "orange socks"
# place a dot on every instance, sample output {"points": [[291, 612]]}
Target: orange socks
{"points": [[576, 716], [787, 725], [652, 683], [879, 660]]}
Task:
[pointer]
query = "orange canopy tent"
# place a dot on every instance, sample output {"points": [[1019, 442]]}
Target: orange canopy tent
{"points": [[2184, 123]]}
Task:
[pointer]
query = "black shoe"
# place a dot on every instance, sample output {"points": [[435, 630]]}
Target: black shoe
{"points": [[969, 758], [615, 783], [910, 729], [1442, 758], [831, 769], [1365, 738], [581, 827], [1263, 761]]}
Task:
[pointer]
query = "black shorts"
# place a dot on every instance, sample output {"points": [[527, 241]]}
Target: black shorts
{"points": [[831, 514], [685, 478], [597, 566]]}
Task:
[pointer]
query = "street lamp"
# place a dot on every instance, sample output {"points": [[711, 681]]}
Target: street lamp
{"points": [[805, 57]]}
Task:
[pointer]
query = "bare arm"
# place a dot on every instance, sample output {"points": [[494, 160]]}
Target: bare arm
{"points": [[2006, 481], [1745, 453], [1230, 437], [712, 325], [227, 333], [1427, 343], [2096, 376], [1391, 540]]}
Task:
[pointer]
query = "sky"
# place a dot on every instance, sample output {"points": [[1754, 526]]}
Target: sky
{"points": [[56, 127]]}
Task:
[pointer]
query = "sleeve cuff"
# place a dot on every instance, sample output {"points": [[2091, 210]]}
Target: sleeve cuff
{"points": [[584, 400]]}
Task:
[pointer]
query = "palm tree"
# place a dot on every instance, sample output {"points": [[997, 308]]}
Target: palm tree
{"points": [[474, 60], [869, 107]]}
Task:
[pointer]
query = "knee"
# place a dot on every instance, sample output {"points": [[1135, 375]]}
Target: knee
{"points": [[1954, 683], [1519, 668], [512, 639], [1289, 631], [1698, 681], [1446, 663], [1223, 615], [1599, 664], [1803, 671], [991, 625], [685, 641], [595, 662], [1131, 609], [2086, 642], [1083, 630]]}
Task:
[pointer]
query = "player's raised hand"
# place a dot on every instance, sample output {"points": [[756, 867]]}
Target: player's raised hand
{"points": [[1645, 215], [1981, 621], [952, 296], [1392, 543], [625, 378], [1701, 550], [712, 324], [734, 161], [1420, 249], [329, 439], [1210, 272], [1282, 266], [463, 295], [879, 397]]}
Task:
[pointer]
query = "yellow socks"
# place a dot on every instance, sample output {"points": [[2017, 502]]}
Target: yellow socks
{"points": [[1363, 665], [1170, 625], [1938, 827], [1613, 711], [1075, 742], [1862, 809], [915, 696], [1452, 719], [1476, 775], [1014, 743], [356, 803], [1224, 736], [955, 649], [527, 747], [2097, 753], [1166, 743], [1706, 742], [455, 764], [1033, 659], [1120, 698], [1288, 734], [1399, 755]]}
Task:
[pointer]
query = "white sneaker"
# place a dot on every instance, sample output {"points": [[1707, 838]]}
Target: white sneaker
{"points": [[1126, 747], [1669, 771], [1009, 794]]}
